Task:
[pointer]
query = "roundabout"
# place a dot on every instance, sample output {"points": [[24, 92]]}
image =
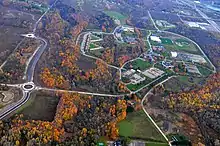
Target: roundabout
{"points": [[28, 86]]}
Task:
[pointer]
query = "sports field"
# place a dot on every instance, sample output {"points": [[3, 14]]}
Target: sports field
{"points": [[138, 125]]}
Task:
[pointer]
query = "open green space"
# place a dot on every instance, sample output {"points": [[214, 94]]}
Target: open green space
{"points": [[137, 125], [204, 71], [166, 41], [179, 83], [141, 64], [177, 44], [134, 87], [116, 15], [91, 46], [39, 107]]}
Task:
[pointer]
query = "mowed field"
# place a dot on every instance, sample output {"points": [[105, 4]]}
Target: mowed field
{"points": [[179, 45], [116, 15], [137, 125], [39, 107], [141, 64]]}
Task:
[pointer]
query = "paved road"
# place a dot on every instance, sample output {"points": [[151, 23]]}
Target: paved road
{"points": [[30, 72], [81, 92], [149, 117], [34, 60], [13, 107]]}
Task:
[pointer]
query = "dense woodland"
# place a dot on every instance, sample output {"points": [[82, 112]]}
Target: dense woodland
{"points": [[79, 120]]}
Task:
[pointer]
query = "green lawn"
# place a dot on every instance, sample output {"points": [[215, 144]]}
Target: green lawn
{"points": [[116, 15], [91, 46], [138, 125], [204, 71], [166, 41], [141, 64], [179, 45], [134, 87]]}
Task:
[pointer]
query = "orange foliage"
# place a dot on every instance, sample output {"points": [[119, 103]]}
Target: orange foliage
{"points": [[108, 56]]}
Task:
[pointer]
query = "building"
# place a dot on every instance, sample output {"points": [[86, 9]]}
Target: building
{"points": [[167, 64], [153, 72], [136, 78], [174, 54], [131, 29], [192, 69], [155, 39], [129, 73]]}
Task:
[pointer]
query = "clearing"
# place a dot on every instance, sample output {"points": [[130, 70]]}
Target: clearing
{"points": [[116, 15], [40, 107], [137, 125], [141, 64]]}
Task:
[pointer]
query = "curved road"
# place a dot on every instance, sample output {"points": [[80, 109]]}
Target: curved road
{"points": [[29, 72], [36, 56]]}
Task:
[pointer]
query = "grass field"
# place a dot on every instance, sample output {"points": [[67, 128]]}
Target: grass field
{"points": [[138, 125], [141, 64], [91, 46], [134, 87], [116, 15], [39, 107], [204, 71], [182, 82], [166, 41]]}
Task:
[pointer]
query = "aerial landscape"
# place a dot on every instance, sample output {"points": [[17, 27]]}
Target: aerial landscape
{"points": [[110, 72]]}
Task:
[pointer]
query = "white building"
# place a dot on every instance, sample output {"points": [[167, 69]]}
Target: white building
{"points": [[155, 39], [136, 78], [131, 29], [174, 54]]}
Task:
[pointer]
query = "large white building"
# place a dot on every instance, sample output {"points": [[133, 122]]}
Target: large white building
{"points": [[155, 39]]}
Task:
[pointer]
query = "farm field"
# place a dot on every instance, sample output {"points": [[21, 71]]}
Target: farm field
{"points": [[138, 125]]}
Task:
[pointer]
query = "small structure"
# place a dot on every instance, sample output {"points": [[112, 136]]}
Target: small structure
{"points": [[130, 40], [167, 64], [174, 54], [155, 39], [158, 48]]}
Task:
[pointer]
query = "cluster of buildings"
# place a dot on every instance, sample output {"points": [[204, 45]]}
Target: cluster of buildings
{"points": [[134, 77], [188, 57], [192, 69], [153, 72], [163, 23]]}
